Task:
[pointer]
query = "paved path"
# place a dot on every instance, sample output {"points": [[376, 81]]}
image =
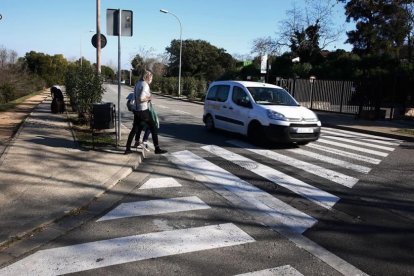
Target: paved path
{"points": [[44, 175]]}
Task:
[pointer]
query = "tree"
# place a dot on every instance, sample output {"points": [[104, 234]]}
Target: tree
{"points": [[317, 17], [107, 72], [265, 45], [51, 68], [145, 59], [138, 65], [382, 26], [305, 43], [200, 59], [15, 80]]}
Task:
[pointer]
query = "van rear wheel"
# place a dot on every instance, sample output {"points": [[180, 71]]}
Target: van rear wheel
{"points": [[209, 123]]}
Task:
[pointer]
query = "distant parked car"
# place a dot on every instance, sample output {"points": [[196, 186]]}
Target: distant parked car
{"points": [[260, 111]]}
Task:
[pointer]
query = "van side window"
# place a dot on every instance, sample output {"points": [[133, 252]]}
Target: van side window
{"points": [[239, 96], [223, 92], [211, 96], [218, 93]]}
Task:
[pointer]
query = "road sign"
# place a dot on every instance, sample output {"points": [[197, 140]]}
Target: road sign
{"points": [[119, 23], [94, 40], [112, 22]]}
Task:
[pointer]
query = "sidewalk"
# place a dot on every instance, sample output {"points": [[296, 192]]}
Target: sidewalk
{"points": [[44, 175], [398, 129]]}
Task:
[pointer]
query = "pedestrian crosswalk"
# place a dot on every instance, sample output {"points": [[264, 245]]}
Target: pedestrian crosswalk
{"points": [[338, 159]]}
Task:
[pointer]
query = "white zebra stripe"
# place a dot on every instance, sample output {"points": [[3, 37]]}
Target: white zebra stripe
{"points": [[162, 182], [361, 138], [342, 145], [155, 207], [351, 155], [285, 270], [243, 195], [377, 138], [92, 255], [347, 140], [345, 180], [301, 188], [330, 160]]}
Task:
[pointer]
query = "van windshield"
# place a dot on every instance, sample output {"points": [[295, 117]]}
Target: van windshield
{"points": [[272, 96]]}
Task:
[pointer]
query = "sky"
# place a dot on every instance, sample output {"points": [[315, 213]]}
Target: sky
{"points": [[66, 26]]}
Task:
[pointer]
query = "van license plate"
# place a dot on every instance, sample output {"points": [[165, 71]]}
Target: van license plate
{"points": [[305, 130]]}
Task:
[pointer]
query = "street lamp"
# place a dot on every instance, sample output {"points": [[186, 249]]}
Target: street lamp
{"points": [[181, 47], [80, 47]]}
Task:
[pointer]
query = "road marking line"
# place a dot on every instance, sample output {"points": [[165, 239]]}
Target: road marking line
{"points": [[182, 112], [359, 138], [347, 140], [337, 177], [393, 141], [314, 194], [342, 145], [285, 270], [162, 106], [162, 182], [242, 194], [155, 207], [92, 255], [330, 160], [321, 253], [351, 155]]}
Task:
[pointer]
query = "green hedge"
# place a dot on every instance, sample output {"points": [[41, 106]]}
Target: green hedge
{"points": [[192, 88]]}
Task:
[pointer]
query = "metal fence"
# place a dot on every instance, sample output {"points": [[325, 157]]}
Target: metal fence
{"points": [[379, 98], [324, 95]]}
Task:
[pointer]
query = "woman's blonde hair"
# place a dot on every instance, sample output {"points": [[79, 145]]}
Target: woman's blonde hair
{"points": [[147, 75]]}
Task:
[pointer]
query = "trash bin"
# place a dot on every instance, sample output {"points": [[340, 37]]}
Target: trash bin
{"points": [[103, 116]]}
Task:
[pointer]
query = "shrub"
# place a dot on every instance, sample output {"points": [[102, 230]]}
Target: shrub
{"points": [[169, 86], [201, 89], [7, 93], [84, 87], [189, 87]]}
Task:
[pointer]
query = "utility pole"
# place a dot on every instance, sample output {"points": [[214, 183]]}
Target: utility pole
{"points": [[98, 34]]}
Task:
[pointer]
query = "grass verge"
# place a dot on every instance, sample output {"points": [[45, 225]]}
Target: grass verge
{"points": [[13, 104], [85, 137], [409, 131]]}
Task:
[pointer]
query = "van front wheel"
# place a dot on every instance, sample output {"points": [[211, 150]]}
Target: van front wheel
{"points": [[256, 133]]}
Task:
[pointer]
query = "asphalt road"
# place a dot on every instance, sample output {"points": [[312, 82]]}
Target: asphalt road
{"points": [[216, 205]]}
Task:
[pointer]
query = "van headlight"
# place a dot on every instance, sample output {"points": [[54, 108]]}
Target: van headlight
{"points": [[275, 115]]}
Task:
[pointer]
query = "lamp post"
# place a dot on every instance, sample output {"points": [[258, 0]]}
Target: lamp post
{"points": [[181, 47], [81, 58]]}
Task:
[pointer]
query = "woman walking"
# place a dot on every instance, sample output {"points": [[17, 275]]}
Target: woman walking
{"points": [[141, 111]]}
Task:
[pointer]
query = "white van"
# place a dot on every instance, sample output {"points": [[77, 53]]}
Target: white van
{"points": [[259, 110]]}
